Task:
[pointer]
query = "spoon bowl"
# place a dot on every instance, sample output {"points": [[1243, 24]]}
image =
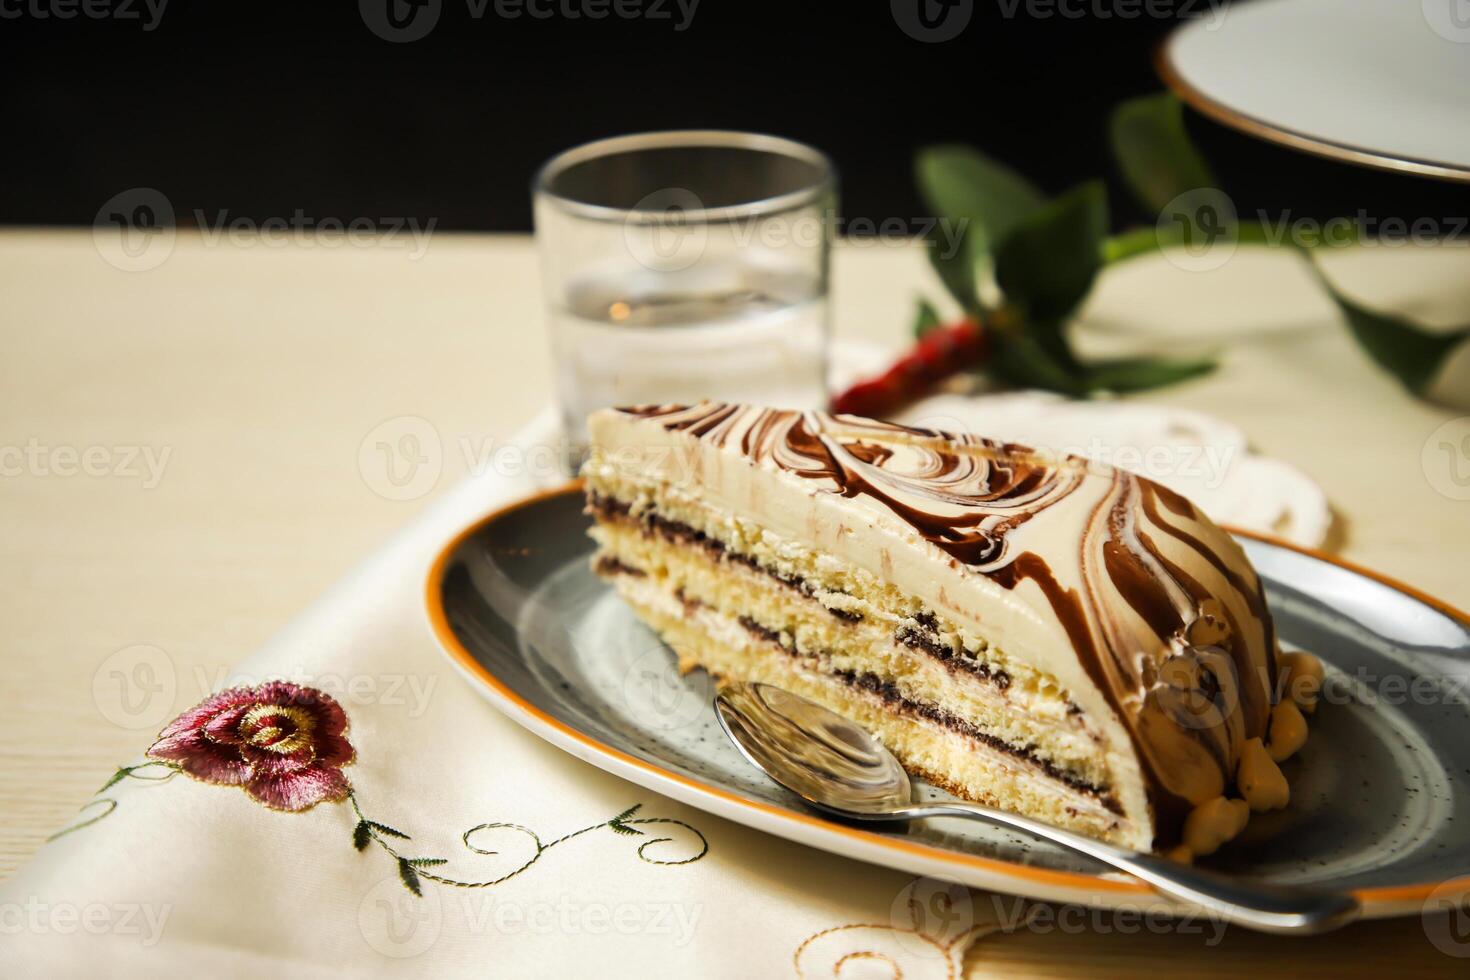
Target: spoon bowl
{"points": [[822, 757], [836, 766]]}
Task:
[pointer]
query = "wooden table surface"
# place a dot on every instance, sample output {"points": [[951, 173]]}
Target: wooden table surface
{"points": [[179, 469]]}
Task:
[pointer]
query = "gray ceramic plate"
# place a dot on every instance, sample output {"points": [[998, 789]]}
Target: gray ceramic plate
{"points": [[1375, 793]]}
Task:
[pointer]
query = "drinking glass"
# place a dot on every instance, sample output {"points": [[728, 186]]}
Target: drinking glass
{"points": [[686, 265]]}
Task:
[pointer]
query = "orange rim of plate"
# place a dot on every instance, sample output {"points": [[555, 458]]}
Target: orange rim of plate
{"points": [[439, 621]]}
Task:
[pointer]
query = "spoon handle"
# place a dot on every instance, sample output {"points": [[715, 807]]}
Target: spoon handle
{"points": [[1270, 908]]}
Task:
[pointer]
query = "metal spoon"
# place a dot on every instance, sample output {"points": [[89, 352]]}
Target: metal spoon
{"points": [[835, 766]]}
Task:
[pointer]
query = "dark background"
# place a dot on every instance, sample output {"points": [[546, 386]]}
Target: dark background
{"points": [[262, 108]]}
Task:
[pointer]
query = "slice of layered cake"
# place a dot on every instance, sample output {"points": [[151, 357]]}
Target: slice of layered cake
{"points": [[1048, 635]]}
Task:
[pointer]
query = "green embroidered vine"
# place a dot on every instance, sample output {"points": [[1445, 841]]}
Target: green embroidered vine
{"points": [[286, 745], [411, 870], [123, 772]]}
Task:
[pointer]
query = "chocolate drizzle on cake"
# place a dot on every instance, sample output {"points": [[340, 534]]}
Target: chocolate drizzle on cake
{"points": [[1144, 551]]}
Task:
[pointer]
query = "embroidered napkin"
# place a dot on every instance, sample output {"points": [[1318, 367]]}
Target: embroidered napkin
{"points": [[350, 807], [347, 805]]}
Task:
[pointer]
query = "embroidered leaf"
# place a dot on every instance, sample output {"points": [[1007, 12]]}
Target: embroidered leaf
{"points": [[117, 777], [409, 877], [627, 813], [385, 829], [425, 862], [617, 825], [362, 835]]}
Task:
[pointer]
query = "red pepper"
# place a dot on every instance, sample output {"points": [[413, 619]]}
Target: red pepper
{"points": [[940, 353]]}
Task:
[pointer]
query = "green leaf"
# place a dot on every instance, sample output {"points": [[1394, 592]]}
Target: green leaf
{"points": [[1153, 150], [954, 262], [1408, 352], [362, 835], [959, 183], [1048, 264], [385, 829], [926, 318], [409, 877], [1019, 360], [1141, 373]]}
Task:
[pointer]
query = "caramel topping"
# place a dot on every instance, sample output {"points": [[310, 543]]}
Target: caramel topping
{"points": [[1260, 779], [1212, 823], [1210, 628], [1302, 676], [1288, 731]]}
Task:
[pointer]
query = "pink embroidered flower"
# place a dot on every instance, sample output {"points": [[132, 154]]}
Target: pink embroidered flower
{"points": [[285, 744]]}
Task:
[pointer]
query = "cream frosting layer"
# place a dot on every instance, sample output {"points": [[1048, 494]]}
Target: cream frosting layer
{"points": [[1145, 611], [993, 693]]}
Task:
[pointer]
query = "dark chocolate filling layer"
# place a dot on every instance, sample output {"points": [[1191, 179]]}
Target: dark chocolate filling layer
{"points": [[889, 694], [608, 565], [926, 639], [677, 532], [610, 508], [932, 644]]}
